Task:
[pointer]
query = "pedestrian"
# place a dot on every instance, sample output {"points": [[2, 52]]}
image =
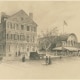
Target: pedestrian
{"points": [[16, 54], [60, 57], [23, 58], [46, 60], [19, 53], [49, 59]]}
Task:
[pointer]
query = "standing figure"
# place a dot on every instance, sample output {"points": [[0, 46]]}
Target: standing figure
{"points": [[49, 60], [16, 54], [46, 60], [23, 58]]}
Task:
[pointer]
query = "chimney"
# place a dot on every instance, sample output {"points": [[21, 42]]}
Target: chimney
{"points": [[31, 15], [3, 16], [3, 13]]}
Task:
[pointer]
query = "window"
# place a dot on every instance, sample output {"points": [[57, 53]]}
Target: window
{"points": [[17, 26], [33, 39], [33, 29], [28, 49], [22, 27], [8, 25], [11, 37], [7, 36], [15, 37], [27, 38], [22, 37], [18, 37], [9, 48], [3, 35], [13, 26], [34, 48], [28, 28]]}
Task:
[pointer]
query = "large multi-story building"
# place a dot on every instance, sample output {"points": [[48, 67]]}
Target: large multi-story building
{"points": [[18, 34]]}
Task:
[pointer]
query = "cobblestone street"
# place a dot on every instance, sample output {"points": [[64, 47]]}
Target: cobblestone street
{"points": [[60, 69]]}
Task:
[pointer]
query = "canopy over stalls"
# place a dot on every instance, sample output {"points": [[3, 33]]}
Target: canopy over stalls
{"points": [[71, 48], [59, 49], [65, 48]]}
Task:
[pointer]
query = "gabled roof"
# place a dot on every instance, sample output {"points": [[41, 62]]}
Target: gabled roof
{"points": [[64, 37], [22, 13], [19, 12], [55, 40]]}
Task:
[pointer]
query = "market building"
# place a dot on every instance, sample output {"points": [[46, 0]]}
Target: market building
{"points": [[67, 45]]}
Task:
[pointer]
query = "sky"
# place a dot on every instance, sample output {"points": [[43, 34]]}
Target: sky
{"points": [[48, 14]]}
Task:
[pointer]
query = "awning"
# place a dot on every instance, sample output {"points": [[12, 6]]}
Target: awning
{"points": [[71, 48], [59, 48], [65, 48]]}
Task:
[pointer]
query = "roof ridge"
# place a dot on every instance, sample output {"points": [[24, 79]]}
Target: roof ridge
{"points": [[18, 12], [24, 13]]}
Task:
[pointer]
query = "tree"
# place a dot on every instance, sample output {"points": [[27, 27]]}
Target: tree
{"points": [[48, 38]]}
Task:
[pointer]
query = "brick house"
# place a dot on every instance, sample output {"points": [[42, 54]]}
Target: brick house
{"points": [[18, 34]]}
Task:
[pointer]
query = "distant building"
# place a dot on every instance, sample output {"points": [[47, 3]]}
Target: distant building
{"points": [[66, 43], [18, 34], [67, 40]]}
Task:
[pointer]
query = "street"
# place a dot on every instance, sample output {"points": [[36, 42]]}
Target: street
{"points": [[67, 68]]}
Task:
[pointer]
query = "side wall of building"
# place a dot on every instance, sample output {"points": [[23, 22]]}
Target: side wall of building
{"points": [[3, 38]]}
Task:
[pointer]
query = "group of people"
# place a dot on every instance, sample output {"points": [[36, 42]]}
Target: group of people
{"points": [[48, 60]]}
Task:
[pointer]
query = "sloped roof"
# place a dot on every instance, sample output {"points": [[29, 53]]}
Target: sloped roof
{"points": [[58, 39], [64, 37], [21, 13]]}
